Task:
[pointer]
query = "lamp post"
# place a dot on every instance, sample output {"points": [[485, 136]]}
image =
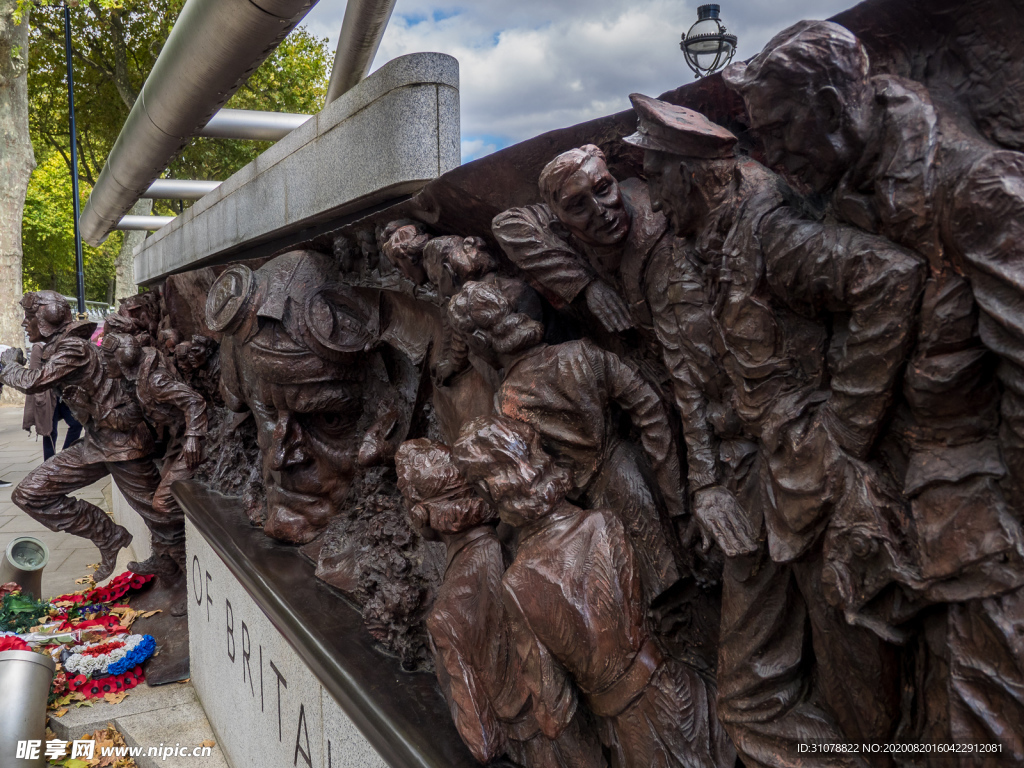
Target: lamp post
{"points": [[79, 263], [708, 46]]}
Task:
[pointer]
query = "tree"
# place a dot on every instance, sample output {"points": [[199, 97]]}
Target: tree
{"points": [[115, 47], [16, 163], [49, 235]]}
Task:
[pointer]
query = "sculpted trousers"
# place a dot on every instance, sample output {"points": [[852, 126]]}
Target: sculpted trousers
{"points": [[43, 495], [165, 506], [772, 695], [973, 689]]}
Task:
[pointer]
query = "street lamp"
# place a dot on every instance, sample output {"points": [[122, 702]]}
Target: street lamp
{"points": [[707, 46]]}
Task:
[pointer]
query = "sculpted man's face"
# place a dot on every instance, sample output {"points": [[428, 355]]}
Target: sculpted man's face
{"points": [[31, 326], [308, 440], [673, 191], [590, 205], [805, 136]]}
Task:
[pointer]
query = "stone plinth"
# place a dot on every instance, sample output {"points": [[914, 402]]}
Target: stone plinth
{"points": [[283, 666], [382, 140]]}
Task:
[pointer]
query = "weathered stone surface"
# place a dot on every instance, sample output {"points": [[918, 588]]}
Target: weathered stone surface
{"points": [[385, 138]]}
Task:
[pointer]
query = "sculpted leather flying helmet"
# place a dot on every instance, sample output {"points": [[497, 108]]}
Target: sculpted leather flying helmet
{"points": [[52, 311]]}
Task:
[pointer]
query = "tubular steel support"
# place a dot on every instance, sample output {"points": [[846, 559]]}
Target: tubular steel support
{"points": [[361, 33], [143, 223], [214, 46], [179, 189], [253, 125]]}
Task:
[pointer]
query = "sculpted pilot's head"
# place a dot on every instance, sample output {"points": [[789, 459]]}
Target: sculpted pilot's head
{"points": [[293, 352], [46, 314]]}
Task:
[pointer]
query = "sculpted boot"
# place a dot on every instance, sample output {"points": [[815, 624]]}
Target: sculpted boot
{"points": [[109, 549], [167, 563]]}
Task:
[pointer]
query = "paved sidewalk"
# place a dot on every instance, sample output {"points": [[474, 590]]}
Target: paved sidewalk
{"points": [[70, 556]]}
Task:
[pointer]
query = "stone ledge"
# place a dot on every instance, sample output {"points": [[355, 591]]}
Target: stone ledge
{"points": [[384, 139], [401, 715]]}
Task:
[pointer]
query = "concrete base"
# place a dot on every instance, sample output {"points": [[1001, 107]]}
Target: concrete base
{"points": [[263, 702], [169, 715]]}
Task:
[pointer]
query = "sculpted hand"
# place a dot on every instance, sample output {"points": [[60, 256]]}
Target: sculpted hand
{"points": [[608, 307], [193, 451], [12, 355], [721, 516]]}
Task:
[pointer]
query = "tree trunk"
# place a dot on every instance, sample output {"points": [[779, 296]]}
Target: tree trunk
{"points": [[16, 164], [125, 264]]}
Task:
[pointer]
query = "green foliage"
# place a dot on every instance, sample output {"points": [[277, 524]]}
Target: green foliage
{"points": [[116, 45], [293, 79], [48, 235], [19, 613]]}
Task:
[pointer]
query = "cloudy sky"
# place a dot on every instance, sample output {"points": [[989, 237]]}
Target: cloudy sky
{"points": [[528, 66]]}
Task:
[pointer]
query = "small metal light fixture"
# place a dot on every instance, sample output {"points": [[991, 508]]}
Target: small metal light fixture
{"points": [[708, 47]]}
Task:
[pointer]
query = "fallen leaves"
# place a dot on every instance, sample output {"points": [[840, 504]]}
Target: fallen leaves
{"points": [[115, 698], [127, 615]]}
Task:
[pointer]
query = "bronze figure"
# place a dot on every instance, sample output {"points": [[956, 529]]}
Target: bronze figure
{"points": [[565, 391], [893, 161], [117, 440], [179, 412], [575, 583], [472, 634], [811, 324]]}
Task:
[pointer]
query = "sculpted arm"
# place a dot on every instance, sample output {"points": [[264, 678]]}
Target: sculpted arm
{"points": [[526, 237], [169, 390], [470, 708], [872, 287], [554, 696], [69, 356], [647, 412]]}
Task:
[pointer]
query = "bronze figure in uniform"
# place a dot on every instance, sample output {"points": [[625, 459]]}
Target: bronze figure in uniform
{"points": [[811, 325], [893, 161], [575, 582], [117, 440], [179, 412]]}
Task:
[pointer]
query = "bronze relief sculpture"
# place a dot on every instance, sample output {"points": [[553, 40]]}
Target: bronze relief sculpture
{"points": [[702, 446], [892, 161]]}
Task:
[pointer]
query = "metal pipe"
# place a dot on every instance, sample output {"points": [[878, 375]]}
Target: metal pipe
{"points": [[253, 125], [361, 33], [75, 202], [213, 47], [179, 189], [143, 223]]}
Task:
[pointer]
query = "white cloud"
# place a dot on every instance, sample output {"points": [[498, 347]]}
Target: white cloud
{"points": [[474, 148], [536, 65]]}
